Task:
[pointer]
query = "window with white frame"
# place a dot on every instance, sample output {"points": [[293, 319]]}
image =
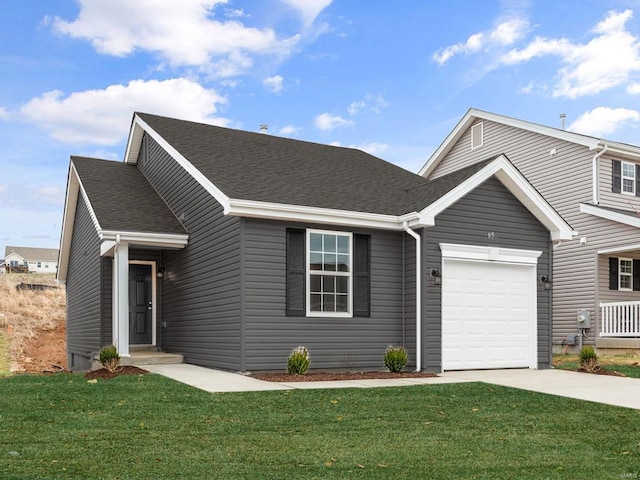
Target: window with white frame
{"points": [[628, 178], [329, 273], [625, 274]]}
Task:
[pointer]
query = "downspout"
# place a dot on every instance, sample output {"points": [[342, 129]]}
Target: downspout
{"points": [[407, 229], [594, 168]]}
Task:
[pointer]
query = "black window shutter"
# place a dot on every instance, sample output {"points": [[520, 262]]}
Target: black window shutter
{"points": [[636, 275], [638, 180], [361, 276], [296, 262], [616, 176], [613, 273]]}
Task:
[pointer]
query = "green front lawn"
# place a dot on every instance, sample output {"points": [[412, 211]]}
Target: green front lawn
{"points": [[150, 427]]}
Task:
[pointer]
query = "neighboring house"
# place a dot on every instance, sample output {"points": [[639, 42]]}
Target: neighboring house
{"points": [[232, 248], [595, 185], [30, 260]]}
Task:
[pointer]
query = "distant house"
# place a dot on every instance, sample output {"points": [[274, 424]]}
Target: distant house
{"points": [[30, 260], [595, 185], [231, 248]]}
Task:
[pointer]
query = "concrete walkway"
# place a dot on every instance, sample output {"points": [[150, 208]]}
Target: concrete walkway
{"points": [[623, 392]]}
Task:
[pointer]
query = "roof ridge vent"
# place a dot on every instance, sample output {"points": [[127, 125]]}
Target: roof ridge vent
{"points": [[264, 128]]}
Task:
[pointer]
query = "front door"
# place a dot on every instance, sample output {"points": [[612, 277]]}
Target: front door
{"points": [[140, 306]]}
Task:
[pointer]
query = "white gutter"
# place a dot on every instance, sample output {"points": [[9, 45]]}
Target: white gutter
{"points": [[594, 168], [407, 229]]}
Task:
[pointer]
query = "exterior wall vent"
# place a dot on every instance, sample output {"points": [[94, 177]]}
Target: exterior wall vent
{"points": [[477, 135]]}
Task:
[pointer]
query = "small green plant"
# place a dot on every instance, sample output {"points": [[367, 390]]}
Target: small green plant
{"points": [[299, 361], [395, 358], [589, 359], [109, 358]]}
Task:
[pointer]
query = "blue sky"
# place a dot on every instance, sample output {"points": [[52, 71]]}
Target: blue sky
{"points": [[389, 77]]}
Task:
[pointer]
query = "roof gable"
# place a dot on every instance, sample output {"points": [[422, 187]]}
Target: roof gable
{"points": [[33, 253], [472, 115]]}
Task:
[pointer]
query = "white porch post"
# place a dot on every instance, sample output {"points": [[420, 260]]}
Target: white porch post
{"points": [[121, 298]]}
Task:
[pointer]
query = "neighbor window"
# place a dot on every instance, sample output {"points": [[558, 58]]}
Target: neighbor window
{"points": [[628, 178], [328, 272], [625, 273]]}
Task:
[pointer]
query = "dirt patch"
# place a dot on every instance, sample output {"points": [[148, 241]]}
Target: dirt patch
{"points": [[602, 371], [104, 374], [331, 376]]}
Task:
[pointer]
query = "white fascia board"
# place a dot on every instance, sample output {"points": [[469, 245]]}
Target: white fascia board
{"points": [[618, 150], [609, 215], [622, 249], [473, 114], [140, 126], [297, 213], [489, 254], [134, 142], [160, 240], [74, 190], [519, 187]]}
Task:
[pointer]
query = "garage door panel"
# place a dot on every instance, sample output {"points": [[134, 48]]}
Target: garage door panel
{"points": [[487, 315]]}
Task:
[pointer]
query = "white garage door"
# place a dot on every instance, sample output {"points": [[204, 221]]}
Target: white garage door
{"points": [[488, 313]]}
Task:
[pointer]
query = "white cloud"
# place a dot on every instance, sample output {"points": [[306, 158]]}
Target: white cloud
{"points": [[308, 9], [602, 121], [274, 83], [372, 148], [326, 121], [606, 61], [371, 103], [503, 34], [28, 196], [102, 117], [633, 89], [289, 130], [4, 113], [181, 33]]}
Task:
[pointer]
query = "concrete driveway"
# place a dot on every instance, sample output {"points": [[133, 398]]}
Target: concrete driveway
{"points": [[620, 391], [623, 392]]}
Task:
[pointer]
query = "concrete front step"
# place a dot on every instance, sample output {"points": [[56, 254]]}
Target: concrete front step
{"points": [[144, 356], [152, 358]]}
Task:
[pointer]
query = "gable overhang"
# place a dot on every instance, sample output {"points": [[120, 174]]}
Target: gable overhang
{"points": [[519, 187], [626, 219], [474, 115], [134, 143], [108, 238]]}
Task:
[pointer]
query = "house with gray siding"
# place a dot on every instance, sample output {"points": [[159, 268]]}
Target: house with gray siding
{"points": [[594, 184], [231, 248]]}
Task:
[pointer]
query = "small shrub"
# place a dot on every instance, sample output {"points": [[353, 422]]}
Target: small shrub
{"points": [[395, 358], [109, 358], [589, 359], [299, 361]]}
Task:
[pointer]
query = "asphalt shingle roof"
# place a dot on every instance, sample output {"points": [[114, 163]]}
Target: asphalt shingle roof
{"points": [[262, 167], [258, 167], [122, 199]]}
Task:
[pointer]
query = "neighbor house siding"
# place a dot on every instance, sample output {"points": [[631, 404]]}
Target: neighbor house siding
{"points": [[201, 290], [488, 208], [357, 342], [564, 179], [84, 289], [607, 198]]}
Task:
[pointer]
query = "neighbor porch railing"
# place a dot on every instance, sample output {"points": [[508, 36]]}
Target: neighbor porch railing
{"points": [[620, 319]]}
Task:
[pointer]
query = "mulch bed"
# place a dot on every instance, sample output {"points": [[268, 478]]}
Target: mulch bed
{"points": [[104, 374], [331, 376]]}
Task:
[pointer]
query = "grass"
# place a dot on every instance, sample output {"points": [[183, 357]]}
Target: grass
{"points": [[148, 427], [4, 354], [628, 365]]}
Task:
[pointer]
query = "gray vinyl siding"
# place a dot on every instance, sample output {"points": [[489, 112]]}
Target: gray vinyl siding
{"points": [[357, 342], [606, 196], [84, 288], [565, 181], [201, 292], [488, 208]]}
